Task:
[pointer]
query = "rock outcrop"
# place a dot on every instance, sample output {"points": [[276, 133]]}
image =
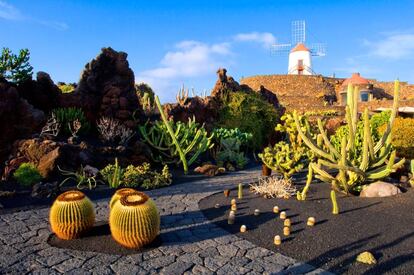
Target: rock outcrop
{"points": [[224, 84], [106, 88], [18, 119], [42, 93]]}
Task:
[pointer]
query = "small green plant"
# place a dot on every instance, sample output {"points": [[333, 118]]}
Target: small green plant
{"points": [[402, 136], [113, 174], [82, 177], [27, 174], [66, 88], [143, 176], [67, 117], [412, 173], [135, 176], [224, 133], [15, 68], [229, 154], [176, 142]]}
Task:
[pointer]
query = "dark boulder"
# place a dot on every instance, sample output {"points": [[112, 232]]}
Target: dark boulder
{"points": [[106, 88]]}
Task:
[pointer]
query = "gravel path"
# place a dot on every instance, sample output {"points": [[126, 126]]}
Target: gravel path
{"points": [[190, 243]]}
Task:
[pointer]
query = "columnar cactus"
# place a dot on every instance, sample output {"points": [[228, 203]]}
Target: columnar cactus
{"points": [[118, 194], [71, 215], [377, 160], [134, 220]]}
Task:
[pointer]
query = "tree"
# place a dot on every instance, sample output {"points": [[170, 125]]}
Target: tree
{"points": [[15, 68]]}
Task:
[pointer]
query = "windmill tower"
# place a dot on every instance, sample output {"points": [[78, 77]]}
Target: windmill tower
{"points": [[300, 56]]}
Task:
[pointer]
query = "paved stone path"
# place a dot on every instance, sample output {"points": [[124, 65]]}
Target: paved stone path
{"points": [[190, 243]]}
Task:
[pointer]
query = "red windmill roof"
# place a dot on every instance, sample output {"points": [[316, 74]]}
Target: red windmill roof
{"points": [[355, 79], [300, 47]]}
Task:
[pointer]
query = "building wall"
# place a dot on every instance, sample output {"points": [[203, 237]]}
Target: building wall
{"points": [[293, 62]]}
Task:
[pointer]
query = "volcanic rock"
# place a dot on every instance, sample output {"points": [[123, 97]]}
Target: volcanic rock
{"points": [[379, 189]]}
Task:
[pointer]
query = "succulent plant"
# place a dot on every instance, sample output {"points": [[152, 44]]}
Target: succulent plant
{"points": [[345, 173], [366, 257], [335, 208], [134, 220], [71, 215], [240, 191], [118, 194]]}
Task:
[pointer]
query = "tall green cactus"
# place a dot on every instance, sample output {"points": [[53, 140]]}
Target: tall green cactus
{"points": [[347, 174], [176, 142]]}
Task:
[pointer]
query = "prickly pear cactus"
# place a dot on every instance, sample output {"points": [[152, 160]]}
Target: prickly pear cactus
{"points": [[118, 194], [134, 220], [71, 215]]}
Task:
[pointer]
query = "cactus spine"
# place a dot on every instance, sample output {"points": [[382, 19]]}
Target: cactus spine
{"points": [[71, 215], [134, 220], [118, 194], [351, 175]]}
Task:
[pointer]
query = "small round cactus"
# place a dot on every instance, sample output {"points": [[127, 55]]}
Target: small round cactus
{"points": [[276, 209], [71, 215], [243, 228], [118, 194], [277, 240], [287, 223], [134, 220], [311, 221], [282, 215]]}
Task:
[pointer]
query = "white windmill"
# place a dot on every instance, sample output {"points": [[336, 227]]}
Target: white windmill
{"points": [[300, 61]]}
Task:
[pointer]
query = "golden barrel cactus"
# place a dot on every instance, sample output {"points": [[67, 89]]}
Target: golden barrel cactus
{"points": [[134, 220], [71, 215], [118, 194]]}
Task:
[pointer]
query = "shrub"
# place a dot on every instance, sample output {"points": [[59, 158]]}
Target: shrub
{"points": [[136, 176], [27, 174], [111, 130], [229, 153], [67, 117], [402, 136], [250, 113], [15, 68], [224, 133], [66, 88]]}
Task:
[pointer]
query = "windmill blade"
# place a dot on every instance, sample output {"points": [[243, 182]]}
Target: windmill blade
{"points": [[280, 49], [318, 49], [298, 32]]}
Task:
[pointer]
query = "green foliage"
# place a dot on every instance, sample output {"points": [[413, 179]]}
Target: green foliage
{"points": [[412, 172], [325, 113], [135, 176], [345, 169], [146, 97], [402, 136], [66, 117], [176, 142], [15, 68], [66, 88], [290, 155], [113, 174], [27, 174], [82, 178], [143, 176], [224, 133], [251, 114], [375, 122], [229, 153]]}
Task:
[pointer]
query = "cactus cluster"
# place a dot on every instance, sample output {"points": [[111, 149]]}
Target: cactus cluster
{"points": [[134, 220], [291, 155], [176, 142], [350, 173], [71, 215]]}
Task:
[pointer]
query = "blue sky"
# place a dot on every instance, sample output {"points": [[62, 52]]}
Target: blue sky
{"points": [[170, 43]]}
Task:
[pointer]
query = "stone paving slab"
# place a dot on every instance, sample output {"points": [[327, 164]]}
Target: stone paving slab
{"points": [[190, 243]]}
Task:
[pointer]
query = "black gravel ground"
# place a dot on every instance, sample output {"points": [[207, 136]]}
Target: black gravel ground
{"points": [[99, 239], [383, 226]]}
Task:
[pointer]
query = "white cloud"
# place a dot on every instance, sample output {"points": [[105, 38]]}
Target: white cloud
{"points": [[189, 59], [393, 46], [266, 39], [10, 12]]}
